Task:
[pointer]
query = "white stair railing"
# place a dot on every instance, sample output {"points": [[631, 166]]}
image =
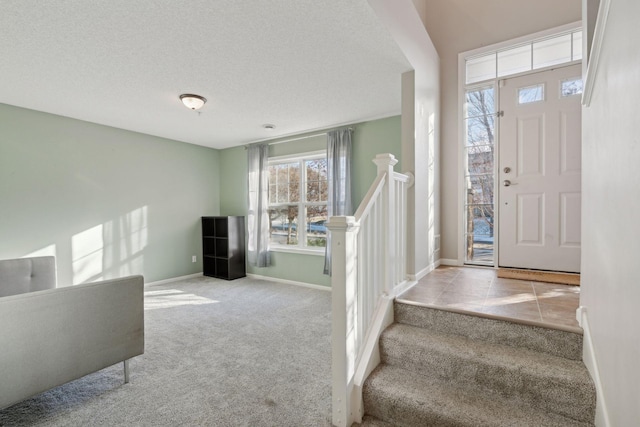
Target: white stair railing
{"points": [[368, 267]]}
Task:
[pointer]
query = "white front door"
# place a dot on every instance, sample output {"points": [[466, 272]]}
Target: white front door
{"points": [[540, 171]]}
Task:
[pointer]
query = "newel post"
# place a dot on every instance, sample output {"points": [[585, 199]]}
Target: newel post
{"points": [[385, 163], [343, 316]]}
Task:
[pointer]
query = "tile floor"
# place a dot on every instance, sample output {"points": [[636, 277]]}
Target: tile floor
{"points": [[479, 290]]}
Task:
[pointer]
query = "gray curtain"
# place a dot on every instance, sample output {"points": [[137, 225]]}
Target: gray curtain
{"points": [[258, 216], [339, 179]]}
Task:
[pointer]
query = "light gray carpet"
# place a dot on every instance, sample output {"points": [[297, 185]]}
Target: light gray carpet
{"points": [[217, 353], [442, 368]]}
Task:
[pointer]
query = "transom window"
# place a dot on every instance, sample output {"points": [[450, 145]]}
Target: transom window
{"points": [[540, 53], [298, 192]]}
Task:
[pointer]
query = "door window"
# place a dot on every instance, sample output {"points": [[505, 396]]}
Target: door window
{"points": [[571, 87], [530, 94]]}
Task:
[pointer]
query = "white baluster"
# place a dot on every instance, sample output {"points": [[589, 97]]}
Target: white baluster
{"points": [[385, 163]]}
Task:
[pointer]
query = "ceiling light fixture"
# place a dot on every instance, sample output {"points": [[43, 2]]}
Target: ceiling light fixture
{"points": [[193, 102]]}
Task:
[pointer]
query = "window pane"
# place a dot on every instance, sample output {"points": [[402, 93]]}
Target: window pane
{"points": [[531, 94], [313, 191], [316, 229], [316, 180], [571, 87], [552, 51], [479, 249], [480, 189], [273, 192], [324, 190], [283, 193], [482, 216], [481, 68], [479, 102], [480, 160], [284, 183], [480, 130], [514, 60], [479, 239], [480, 109], [577, 46], [284, 225]]}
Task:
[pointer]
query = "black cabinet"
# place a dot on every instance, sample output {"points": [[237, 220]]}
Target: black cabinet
{"points": [[223, 252]]}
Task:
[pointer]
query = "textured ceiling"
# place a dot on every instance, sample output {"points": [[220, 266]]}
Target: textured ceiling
{"points": [[299, 64]]}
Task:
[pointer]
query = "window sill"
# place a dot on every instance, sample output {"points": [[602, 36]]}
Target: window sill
{"points": [[299, 251]]}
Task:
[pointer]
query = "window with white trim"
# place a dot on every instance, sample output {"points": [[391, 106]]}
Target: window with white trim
{"points": [[545, 52], [479, 151], [298, 192]]}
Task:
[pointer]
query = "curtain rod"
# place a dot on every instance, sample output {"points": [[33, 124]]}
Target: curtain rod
{"points": [[299, 138]]}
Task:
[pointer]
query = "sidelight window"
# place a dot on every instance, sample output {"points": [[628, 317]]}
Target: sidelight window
{"points": [[480, 117]]}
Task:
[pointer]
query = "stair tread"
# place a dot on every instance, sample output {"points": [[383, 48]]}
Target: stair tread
{"points": [[402, 397], [552, 383], [499, 354], [550, 341]]}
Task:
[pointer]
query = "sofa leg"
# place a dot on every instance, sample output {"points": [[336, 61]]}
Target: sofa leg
{"points": [[126, 371]]}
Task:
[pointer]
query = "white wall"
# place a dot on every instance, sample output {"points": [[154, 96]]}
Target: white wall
{"points": [[610, 225], [460, 25], [420, 134]]}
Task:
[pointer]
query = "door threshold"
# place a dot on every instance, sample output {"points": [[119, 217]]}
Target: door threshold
{"points": [[540, 276]]}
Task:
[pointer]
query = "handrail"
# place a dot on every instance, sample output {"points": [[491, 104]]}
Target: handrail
{"points": [[368, 267], [403, 178]]}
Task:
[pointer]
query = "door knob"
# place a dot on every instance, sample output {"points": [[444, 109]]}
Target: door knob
{"points": [[506, 183]]}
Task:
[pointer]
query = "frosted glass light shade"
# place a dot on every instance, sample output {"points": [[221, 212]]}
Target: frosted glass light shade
{"points": [[194, 102]]}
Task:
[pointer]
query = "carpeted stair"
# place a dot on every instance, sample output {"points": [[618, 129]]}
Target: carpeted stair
{"points": [[441, 368]]}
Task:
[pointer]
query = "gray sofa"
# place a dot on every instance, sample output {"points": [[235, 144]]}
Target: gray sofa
{"points": [[50, 336]]}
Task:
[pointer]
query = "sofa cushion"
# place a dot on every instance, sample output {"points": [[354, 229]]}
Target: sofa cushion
{"points": [[22, 275]]}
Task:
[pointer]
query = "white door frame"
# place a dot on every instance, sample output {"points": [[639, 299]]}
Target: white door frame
{"points": [[462, 88]]}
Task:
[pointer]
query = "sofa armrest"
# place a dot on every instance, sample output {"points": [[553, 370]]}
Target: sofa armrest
{"points": [[54, 336]]}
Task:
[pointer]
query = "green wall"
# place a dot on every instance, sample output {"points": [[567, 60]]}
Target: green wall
{"points": [[107, 202], [369, 139]]}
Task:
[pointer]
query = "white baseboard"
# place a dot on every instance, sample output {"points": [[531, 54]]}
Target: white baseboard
{"points": [[420, 274], [403, 287], [590, 361], [449, 262], [290, 282], [173, 279]]}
